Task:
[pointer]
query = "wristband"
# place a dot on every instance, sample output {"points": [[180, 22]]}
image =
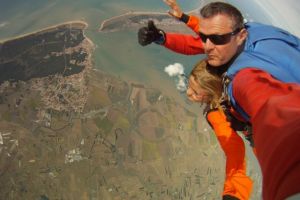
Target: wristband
{"points": [[184, 18], [161, 40]]}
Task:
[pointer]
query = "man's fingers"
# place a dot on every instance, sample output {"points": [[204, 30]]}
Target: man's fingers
{"points": [[143, 31], [143, 36], [171, 13], [170, 3], [167, 2]]}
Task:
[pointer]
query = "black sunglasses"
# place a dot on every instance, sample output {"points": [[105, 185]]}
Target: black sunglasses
{"points": [[219, 39]]}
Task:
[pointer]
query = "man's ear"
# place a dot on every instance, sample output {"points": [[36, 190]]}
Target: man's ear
{"points": [[242, 36]]}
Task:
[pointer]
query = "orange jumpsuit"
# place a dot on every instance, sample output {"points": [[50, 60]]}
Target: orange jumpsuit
{"points": [[237, 183]]}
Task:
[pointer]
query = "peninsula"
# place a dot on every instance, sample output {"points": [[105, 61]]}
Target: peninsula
{"points": [[134, 20]]}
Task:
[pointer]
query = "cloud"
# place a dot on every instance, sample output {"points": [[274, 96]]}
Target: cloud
{"points": [[177, 70], [181, 83], [174, 69]]}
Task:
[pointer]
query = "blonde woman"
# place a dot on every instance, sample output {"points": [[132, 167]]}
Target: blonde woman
{"points": [[204, 87]]}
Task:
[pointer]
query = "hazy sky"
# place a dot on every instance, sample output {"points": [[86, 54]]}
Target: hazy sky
{"points": [[284, 13]]}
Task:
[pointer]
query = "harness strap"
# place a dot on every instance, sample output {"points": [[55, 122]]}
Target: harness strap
{"points": [[236, 124]]}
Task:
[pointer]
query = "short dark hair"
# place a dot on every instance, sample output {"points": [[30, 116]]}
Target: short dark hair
{"points": [[215, 8]]}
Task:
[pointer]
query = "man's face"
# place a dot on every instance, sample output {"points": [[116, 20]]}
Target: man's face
{"points": [[219, 54], [195, 93]]}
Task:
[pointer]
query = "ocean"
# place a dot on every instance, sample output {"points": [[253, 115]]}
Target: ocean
{"points": [[118, 53]]}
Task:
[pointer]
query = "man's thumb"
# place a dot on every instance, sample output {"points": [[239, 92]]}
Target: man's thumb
{"points": [[151, 25]]}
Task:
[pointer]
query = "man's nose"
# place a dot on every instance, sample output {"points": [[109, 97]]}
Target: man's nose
{"points": [[208, 45]]}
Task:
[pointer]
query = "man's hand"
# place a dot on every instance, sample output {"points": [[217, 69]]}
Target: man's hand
{"points": [[175, 9], [149, 34]]}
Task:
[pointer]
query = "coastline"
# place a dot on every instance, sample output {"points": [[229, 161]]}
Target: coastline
{"points": [[76, 23]]}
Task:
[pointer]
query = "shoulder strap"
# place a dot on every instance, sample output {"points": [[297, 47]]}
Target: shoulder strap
{"points": [[228, 98]]}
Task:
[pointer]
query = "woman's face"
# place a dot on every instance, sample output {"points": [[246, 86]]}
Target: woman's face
{"points": [[195, 93]]}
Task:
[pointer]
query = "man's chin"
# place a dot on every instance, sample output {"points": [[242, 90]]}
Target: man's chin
{"points": [[214, 63]]}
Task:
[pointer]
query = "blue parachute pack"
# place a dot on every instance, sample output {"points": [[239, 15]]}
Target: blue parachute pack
{"points": [[270, 49]]}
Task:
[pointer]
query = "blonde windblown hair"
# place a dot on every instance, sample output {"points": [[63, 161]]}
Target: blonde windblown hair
{"points": [[209, 82]]}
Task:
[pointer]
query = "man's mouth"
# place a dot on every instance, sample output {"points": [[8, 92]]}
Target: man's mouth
{"points": [[211, 56]]}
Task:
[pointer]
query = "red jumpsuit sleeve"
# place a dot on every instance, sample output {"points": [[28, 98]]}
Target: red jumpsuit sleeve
{"points": [[184, 44], [237, 183], [193, 23], [274, 109]]}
